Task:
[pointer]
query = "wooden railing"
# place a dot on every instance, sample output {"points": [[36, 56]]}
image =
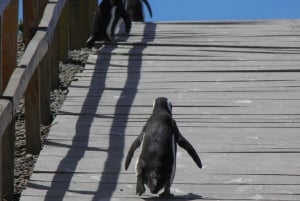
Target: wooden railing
{"points": [[51, 28]]}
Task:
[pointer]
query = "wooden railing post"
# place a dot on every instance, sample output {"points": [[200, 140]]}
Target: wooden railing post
{"points": [[63, 33], [1, 90], [32, 115], [54, 62], [1, 170], [9, 41], [32, 13], [8, 143], [29, 20], [81, 15], [8, 64], [45, 88]]}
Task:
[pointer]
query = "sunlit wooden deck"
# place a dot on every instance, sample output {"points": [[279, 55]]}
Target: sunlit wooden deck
{"points": [[235, 88]]}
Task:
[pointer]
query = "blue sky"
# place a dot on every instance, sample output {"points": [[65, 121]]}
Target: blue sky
{"points": [[170, 10], [176, 10]]}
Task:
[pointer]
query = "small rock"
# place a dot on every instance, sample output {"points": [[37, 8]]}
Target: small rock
{"points": [[28, 156]]}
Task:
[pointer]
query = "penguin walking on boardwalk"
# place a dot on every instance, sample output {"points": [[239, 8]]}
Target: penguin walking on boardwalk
{"points": [[156, 162], [135, 9], [106, 19]]}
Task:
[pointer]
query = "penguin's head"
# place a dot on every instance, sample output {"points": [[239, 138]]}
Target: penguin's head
{"points": [[162, 103]]}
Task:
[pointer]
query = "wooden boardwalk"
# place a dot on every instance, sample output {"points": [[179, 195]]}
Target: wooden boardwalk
{"points": [[235, 88]]}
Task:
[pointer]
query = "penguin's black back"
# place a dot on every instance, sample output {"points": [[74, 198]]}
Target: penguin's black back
{"points": [[158, 133], [157, 154]]}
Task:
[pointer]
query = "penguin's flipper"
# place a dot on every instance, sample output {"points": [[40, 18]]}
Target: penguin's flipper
{"points": [[182, 142], [137, 142], [148, 7], [189, 148], [126, 17]]}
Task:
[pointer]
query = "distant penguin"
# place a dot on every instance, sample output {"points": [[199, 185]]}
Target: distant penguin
{"points": [[135, 9], [106, 19], [156, 162]]}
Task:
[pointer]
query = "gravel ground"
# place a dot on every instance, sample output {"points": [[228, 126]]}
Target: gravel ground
{"points": [[24, 162]]}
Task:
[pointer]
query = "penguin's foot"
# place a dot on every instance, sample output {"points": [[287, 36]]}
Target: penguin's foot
{"points": [[140, 188], [166, 194], [90, 42]]}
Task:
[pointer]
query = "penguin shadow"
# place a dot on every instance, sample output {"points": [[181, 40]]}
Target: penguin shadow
{"points": [[190, 196]]}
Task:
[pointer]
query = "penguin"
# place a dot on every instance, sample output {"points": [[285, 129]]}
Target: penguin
{"points": [[156, 163], [106, 19], [135, 9]]}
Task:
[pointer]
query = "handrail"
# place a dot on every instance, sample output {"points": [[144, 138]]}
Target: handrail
{"points": [[34, 53], [25, 79]]}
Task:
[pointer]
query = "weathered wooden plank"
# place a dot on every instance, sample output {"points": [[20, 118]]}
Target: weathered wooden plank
{"points": [[237, 96], [227, 192], [200, 76], [212, 88], [242, 144], [210, 139], [178, 198], [89, 197], [203, 122], [230, 192], [196, 97], [270, 109], [264, 162], [212, 52], [203, 178]]}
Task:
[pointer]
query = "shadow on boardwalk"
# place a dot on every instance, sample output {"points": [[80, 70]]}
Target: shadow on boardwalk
{"points": [[189, 196], [132, 82]]}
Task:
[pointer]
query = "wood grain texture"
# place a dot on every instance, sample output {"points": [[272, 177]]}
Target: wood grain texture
{"points": [[9, 41], [235, 91], [21, 76], [33, 115]]}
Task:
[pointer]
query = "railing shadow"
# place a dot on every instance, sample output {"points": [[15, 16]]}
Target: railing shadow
{"points": [[132, 82], [67, 166], [126, 98]]}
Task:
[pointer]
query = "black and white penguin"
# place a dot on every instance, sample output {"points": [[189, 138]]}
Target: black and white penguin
{"points": [[156, 162], [106, 19], [135, 9]]}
